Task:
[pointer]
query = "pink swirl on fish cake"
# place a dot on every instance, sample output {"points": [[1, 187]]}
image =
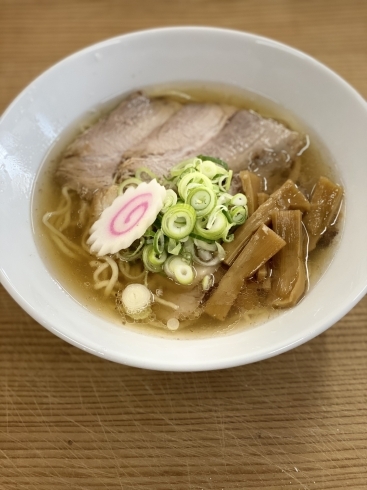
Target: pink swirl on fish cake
{"points": [[130, 214]]}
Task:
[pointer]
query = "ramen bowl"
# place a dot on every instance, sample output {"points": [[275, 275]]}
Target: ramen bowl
{"points": [[318, 97]]}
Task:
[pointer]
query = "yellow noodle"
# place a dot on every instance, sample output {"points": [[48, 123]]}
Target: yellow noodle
{"points": [[125, 265], [63, 210], [67, 215], [114, 276], [84, 243], [98, 271], [110, 283], [101, 284], [58, 233], [164, 302], [63, 247]]}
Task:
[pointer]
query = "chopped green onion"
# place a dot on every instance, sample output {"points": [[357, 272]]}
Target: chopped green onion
{"points": [[228, 215], [210, 258], [213, 215], [224, 181], [158, 242], [149, 233], [239, 200], [224, 198], [218, 228], [177, 169], [229, 238], [145, 170], [167, 266], [205, 255], [136, 300], [169, 200], [239, 215], [174, 246], [153, 262], [198, 237], [179, 270], [187, 256], [218, 161], [212, 247], [198, 213], [133, 252], [202, 199], [179, 221], [221, 252], [132, 181], [208, 168], [190, 178], [207, 282]]}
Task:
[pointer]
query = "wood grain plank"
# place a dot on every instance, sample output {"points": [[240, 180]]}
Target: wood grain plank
{"points": [[69, 420]]}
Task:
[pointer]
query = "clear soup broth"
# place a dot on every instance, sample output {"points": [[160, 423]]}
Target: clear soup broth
{"points": [[75, 275]]}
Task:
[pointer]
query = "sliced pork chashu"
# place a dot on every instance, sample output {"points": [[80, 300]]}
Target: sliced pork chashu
{"points": [[240, 138], [251, 140], [90, 161], [180, 137]]}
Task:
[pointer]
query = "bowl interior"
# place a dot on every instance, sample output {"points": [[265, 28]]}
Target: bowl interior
{"points": [[315, 95]]}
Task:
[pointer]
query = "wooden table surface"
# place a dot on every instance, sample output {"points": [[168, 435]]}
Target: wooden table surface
{"points": [[69, 420]]}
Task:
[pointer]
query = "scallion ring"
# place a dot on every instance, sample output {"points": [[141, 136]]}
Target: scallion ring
{"points": [[169, 200], [153, 262], [133, 252], [204, 255], [239, 214], [207, 282], [218, 229], [212, 247], [179, 221], [238, 200], [180, 167], [212, 259], [193, 177], [224, 181], [132, 181], [213, 214], [174, 247], [224, 198], [158, 242], [145, 170], [218, 161], [202, 199], [208, 168], [179, 270]]}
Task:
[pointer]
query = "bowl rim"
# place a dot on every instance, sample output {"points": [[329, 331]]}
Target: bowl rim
{"points": [[162, 364]]}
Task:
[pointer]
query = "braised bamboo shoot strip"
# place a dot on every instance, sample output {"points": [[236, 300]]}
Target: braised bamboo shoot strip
{"points": [[262, 273], [288, 196], [262, 197], [325, 204], [262, 246], [295, 170], [251, 184], [263, 277], [288, 265]]}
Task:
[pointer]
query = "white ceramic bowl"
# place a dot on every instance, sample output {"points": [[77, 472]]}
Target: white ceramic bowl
{"points": [[319, 97]]}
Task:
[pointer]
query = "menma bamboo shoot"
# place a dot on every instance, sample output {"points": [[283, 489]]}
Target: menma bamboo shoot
{"points": [[288, 196], [263, 245], [251, 184], [288, 265], [325, 203]]}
